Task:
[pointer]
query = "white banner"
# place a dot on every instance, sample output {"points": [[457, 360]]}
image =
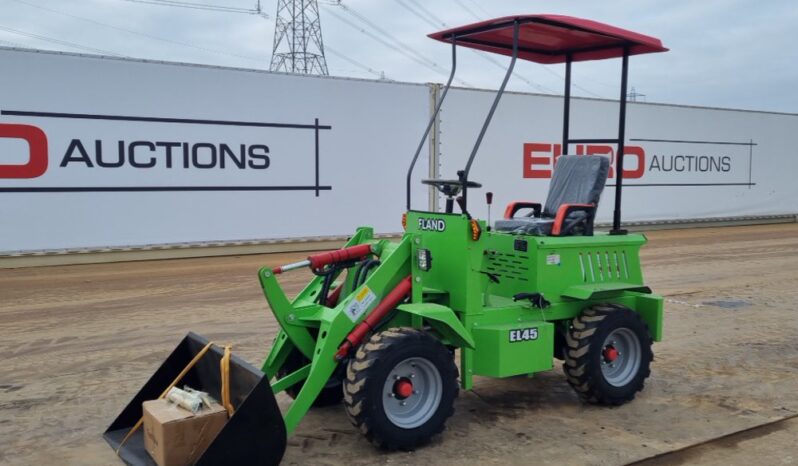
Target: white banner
{"points": [[106, 152], [99, 152], [680, 163]]}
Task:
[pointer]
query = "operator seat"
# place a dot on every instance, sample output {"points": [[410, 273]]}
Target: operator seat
{"points": [[574, 193]]}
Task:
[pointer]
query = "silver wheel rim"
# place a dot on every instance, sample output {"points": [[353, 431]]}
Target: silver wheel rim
{"points": [[419, 404], [620, 357]]}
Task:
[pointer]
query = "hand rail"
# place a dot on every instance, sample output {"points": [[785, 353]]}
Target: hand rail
{"points": [[432, 119]]}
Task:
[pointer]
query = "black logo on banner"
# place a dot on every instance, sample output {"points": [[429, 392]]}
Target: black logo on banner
{"points": [[145, 154]]}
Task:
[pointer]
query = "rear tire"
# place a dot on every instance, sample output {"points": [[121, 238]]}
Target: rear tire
{"points": [[608, 354], [400, 388]]}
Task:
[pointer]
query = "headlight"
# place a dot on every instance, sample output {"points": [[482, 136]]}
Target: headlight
{"points": [[424, 259]]}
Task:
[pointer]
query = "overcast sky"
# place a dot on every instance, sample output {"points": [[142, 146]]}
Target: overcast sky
{"points": [[724, 53]]}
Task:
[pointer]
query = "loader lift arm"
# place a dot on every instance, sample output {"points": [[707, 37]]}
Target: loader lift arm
{"points": [[298, 319]]}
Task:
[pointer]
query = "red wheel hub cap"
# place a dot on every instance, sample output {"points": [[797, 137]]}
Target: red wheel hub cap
{"points": [[403, 388], [610, 354]]}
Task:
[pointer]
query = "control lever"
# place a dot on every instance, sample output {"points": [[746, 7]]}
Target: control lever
{"points": [[489, 199], [536, 299]]}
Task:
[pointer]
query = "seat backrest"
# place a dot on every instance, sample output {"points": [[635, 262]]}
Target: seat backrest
{"points": [[577, 179]]}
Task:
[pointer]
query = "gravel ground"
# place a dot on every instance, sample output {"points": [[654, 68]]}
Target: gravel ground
{"points": [[78, 342]]}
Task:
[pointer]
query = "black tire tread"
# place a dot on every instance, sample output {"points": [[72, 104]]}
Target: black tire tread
{"points": [[357, 374], [583, 376]]}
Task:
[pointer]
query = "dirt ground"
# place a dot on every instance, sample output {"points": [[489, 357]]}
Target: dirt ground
{"points": [[78, 341]]}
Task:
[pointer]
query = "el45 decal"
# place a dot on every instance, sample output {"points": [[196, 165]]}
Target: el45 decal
{"points": [[523, 334]]}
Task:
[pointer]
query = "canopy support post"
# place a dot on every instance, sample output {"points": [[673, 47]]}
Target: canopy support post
{"points": [[616, 218], [432, 119], [464, 175], [566, 113]]}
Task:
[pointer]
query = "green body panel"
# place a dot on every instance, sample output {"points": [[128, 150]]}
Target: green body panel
{"points": [[585, 292], [651, 310], [500, 353], [443, 320], [478, 278], [553, 265], [465, 298]]}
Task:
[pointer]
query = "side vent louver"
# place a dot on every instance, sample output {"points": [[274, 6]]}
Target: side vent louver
{"points": [[603, 266], [510, 266]]}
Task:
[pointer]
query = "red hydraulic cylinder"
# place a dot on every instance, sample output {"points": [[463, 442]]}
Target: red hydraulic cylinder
{"points": [[340, 255], [325, 258], [397, 295], [332, 300]]}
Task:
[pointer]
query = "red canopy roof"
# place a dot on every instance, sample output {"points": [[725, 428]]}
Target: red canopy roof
{"points": [[551, 38]]}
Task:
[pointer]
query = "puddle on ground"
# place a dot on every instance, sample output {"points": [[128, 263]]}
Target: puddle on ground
{"points": [[728, 303]]}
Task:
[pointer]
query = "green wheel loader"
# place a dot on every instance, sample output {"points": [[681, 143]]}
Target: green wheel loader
{"points": [[382, 323]]}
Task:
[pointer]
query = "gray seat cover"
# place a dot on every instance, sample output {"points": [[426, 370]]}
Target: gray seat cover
{"points": [[526, 226], [577, 179]]}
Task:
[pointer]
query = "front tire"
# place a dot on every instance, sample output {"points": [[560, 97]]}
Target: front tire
{"points": [[330, 395], [608, 354], [400, 388]]}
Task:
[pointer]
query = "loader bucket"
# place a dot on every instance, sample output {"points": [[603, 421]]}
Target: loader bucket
{"points": [[254, 434]]}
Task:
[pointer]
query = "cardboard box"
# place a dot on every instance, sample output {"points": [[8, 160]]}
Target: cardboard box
{"points": [[174, 436]]}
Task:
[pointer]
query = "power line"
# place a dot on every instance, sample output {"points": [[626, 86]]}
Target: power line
{"points": [[385, 33], [476, 4], [257, 11], [366, 68], [477, 17], [468, 10], [432, 66], [203, 6], [429, 14], [572, 82], [421, 16], [515, 74], [59, 41], [431, 19], [130, 31]]}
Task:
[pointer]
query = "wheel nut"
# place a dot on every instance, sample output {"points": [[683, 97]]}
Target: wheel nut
{"points": [[391, 395], [403, 403]]}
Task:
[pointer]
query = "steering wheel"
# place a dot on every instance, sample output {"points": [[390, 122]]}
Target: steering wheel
{"points": [[450, 188]]}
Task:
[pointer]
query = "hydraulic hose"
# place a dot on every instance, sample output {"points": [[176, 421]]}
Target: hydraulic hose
{"points": [[363, 272], [392, 299]]}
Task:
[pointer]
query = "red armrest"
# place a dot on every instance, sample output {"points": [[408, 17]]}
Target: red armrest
{"points": [[564, 210], [514, 207]]}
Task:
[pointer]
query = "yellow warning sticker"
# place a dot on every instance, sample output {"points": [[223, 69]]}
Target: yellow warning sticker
{"points": [[358, 306]]}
